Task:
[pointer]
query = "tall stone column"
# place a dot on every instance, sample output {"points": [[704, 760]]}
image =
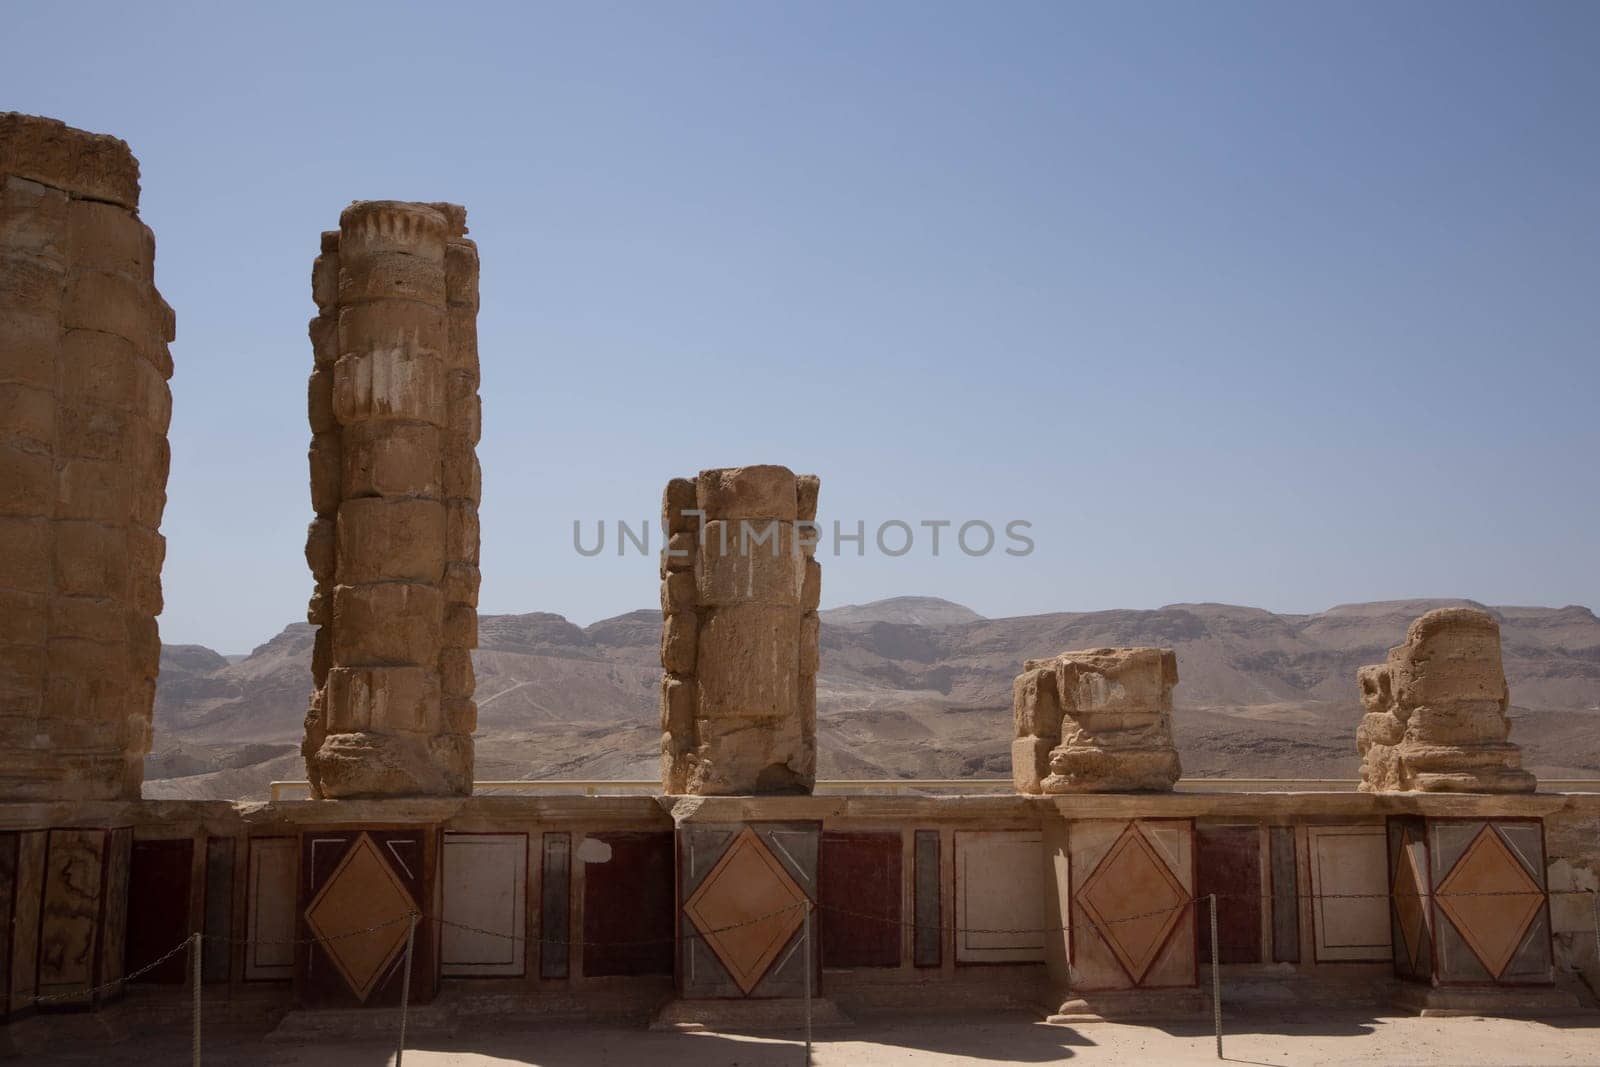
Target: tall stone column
{"points": [[739, 594], [393, 403], [84, 408]]}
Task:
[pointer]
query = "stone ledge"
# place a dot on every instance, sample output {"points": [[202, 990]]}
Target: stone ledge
{"points": [[172, 818]]}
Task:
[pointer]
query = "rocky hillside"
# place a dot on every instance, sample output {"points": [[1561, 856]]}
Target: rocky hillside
{"points": [[909, 687]]}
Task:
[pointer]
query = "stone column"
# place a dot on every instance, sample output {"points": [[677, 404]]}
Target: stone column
{"points": [[393, 403], [739, 594], [1100, 721], [1436, 711], [84, 408], [1097, 721]]}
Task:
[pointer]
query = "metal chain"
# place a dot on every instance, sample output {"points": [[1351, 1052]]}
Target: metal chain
{"points": [[687, 935], [89, 991], [913, 924], [309, 940]]}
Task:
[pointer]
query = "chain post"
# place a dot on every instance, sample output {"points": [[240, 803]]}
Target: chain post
{"points": [[194, 967], [808, 950], [1594, 898], [1216, 977], [405, 990]]}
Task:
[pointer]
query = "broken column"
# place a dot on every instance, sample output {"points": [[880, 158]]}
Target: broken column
{"points": [[84, 408], [1436, 711], [739, 594], [1100, 721], [1096, 721], [395, 482]]}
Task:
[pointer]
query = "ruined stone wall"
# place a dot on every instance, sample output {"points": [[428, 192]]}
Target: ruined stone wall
{"points": [[739, 593], [84, 409], [395, 482]]}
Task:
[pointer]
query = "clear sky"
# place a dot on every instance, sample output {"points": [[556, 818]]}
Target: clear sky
{"points": [[1275, 304]]}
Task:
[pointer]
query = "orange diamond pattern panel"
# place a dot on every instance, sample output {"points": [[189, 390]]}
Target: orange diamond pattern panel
{"points": [[1134, 901], [1408, 904], [362, 892], [747, 909], [1491, 900]]}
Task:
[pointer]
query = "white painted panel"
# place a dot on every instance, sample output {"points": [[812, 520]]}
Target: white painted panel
{"points": [[999, 887], [484, 885], [270, 908], [1350, 890]]}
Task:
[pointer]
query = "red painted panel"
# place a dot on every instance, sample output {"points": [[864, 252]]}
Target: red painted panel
{"points": [[158, 907], [860, 899], [628, 903], [1228, 863]]}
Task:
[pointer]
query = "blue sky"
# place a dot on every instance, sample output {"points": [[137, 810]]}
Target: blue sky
{"points": [[1281, 305]]}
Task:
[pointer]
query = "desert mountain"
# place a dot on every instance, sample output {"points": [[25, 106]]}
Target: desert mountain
{"points": [[906, 610], [909, 687]]}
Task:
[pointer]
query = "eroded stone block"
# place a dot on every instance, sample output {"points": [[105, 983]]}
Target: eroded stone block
{"points": [[1106, 714], [1435, 711]]}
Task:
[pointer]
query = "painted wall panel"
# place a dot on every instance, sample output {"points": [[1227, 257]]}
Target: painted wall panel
{"points": [[999, 896], [114, 912], [743, 889], [158, 907], [928, 945], [1489, 906], [1228, 863], [271, 921], [359, 889], [1350, 892], [859, 875], [217, 954], [8, 906], [1285, 897], [627, 903], [484, 883], [555, 900], [1133, 910], [31, 848], [69, 925]]}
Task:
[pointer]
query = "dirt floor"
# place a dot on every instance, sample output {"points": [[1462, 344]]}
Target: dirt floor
{"points": [[1337, 1037]]}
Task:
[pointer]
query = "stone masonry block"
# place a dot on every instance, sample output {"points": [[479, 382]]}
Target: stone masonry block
{"points": [[758, 492], [736, 566], [110, 238], [392, 459], [382, 539], [390, 623], [748, 661]]}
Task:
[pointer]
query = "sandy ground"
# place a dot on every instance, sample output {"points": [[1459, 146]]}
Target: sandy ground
{"points": [[1340, 1037]]}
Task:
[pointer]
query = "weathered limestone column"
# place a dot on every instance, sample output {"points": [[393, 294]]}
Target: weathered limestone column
{"points": [[1436, 711], [395, 421], [1097, 721], [739, 592], [84, 408]]}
